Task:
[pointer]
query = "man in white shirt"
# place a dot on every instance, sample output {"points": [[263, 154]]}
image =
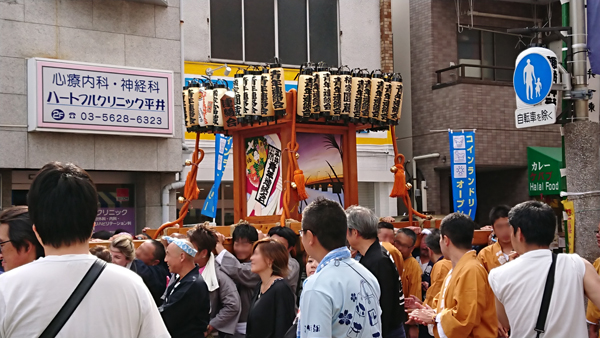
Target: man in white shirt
{"points": [[519, 284], [342, 298], [63, 204]]}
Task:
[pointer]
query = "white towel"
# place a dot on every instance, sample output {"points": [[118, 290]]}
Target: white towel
{"points": [[210, 275]]}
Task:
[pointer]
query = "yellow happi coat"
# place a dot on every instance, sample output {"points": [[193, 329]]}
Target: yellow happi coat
{"points": [[491, 256], [396, 255], [438, 275], [593, 313], [411, 278], [465, 306]]}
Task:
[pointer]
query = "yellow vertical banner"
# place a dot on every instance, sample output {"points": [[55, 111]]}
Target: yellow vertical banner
{"points": [[570, 213]]}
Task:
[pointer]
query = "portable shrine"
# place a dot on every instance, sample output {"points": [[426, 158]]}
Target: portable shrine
{"points": [[293, 147]]}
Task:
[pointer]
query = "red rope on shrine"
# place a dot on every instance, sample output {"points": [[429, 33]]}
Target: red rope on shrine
{"points": [[191, 189]]}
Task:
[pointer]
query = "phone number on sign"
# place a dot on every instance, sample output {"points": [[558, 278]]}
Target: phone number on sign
{"points": [[121, 118]]}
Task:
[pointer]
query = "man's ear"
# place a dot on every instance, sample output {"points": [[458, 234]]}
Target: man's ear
{"points": [[37, 235]]}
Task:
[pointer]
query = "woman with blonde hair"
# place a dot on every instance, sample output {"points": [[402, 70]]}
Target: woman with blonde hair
{"points": [[122, 251]]}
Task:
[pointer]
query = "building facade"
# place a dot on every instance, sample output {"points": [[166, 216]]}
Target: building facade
{"points": [[242, 33], [129, 171], [444, 34]]}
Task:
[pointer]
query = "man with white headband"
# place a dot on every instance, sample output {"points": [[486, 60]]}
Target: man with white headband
{"points": [[187, 303]]}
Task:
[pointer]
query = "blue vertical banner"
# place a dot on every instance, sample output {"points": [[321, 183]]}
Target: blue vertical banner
{"points": [[222, 151], [462, 169]]}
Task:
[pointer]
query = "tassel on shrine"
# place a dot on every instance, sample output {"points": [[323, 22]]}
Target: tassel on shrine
{"points": [[399, 189], [300, 184]]}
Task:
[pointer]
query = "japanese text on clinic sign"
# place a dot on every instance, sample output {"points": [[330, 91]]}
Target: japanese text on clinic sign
{"points": [[100, 99], [462, 169]]}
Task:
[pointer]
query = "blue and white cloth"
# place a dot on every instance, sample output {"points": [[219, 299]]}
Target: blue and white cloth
{"points": [[182, 244], [340, 300]]}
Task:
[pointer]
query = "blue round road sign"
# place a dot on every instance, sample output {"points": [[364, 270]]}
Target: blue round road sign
{"points": [[532, 79]]}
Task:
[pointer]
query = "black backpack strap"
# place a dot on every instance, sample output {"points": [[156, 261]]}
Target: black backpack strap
{"points": [[74, 300], [541, 321]]}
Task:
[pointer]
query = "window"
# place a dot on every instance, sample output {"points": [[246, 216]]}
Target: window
{"points": [[479, 47], [254, 31]]}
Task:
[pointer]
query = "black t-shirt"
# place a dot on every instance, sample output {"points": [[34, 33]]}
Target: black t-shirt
{"points": [[378, 262], [272, 313]]}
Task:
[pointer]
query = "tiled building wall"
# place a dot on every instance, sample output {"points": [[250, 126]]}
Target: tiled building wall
{"points": [[387, 47], [487, 108]]}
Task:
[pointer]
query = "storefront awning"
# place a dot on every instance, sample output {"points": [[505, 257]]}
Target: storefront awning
{"points": [[544, 165]]}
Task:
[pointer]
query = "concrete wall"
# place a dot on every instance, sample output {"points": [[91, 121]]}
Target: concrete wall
{"points": [[487, 108], [110, 32]]}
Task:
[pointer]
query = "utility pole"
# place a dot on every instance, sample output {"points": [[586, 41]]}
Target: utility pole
{"points": [[582, 144]]}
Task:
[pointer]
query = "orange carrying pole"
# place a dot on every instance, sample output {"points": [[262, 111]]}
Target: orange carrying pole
{"points": [[190, 192]]}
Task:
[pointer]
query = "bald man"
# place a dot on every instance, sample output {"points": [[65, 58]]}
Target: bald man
{"points": [[185, 310]]}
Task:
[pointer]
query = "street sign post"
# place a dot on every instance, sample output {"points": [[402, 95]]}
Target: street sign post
{"points": [[536, 70]]}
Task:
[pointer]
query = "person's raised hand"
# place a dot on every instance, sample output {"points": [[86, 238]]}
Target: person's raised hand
{"points": [[512, 256], [220, 240], [502, 331], [261, 234], [417, 230], [412, 303], [423, 316]]}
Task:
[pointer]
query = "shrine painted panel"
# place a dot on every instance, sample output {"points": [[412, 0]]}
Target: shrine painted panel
{"points": [[264, 180]]}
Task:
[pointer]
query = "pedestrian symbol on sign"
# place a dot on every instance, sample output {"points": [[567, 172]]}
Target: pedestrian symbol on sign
{"points": [[533, 78]]}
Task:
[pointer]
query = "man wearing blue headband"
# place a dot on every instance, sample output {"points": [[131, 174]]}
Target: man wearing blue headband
{"points": [[187, 303]]}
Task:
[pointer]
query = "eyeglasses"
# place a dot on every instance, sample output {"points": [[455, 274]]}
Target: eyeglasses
{"points": [[302, 232], [2, 243]]}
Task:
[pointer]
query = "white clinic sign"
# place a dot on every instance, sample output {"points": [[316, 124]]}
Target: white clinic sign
{"points": [[66, 96]]}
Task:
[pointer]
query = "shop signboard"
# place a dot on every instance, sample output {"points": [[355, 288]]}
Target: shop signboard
{"points": [[66, 96], [113, 218], [544, 165]]}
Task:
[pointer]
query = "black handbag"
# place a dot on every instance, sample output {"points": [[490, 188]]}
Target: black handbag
{"points": [[74, 300]]}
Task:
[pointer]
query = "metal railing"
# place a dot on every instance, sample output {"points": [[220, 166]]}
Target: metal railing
{"points": [[452, 75]]}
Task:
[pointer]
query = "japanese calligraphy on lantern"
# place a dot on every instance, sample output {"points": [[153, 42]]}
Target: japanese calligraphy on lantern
{"points": [[462, 169], [79, 97]]}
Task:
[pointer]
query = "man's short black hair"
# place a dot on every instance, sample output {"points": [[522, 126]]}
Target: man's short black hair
{"points": [[408, 232], [20, 229], [326, 219], [499, 211], [459, 228], [245, 231], [63, 204], [286, 233], [102, 234], [159, 250], [433, 241], [385, 225], [536, 220]]}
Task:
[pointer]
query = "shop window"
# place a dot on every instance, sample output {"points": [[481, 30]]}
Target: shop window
{"points": [[478, 47], [255, 31]]}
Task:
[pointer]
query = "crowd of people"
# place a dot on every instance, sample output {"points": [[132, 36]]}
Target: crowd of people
{"points": [[361, 277]]}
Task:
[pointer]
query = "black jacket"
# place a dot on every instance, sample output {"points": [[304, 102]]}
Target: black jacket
{"points": [[155, 277], [187, 306], [377, 261]]}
